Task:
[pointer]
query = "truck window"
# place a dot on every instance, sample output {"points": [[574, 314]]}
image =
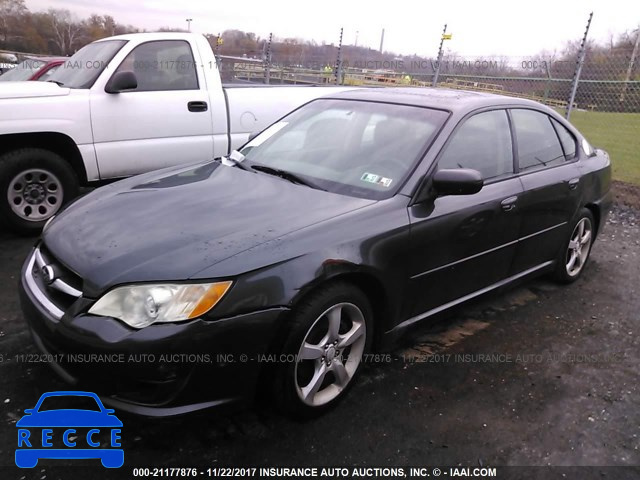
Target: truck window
{"points": [[161, 66]]}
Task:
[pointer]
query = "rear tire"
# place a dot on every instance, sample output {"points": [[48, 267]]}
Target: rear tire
{"points": [[575, 251], [323, 354], [34, 185]]}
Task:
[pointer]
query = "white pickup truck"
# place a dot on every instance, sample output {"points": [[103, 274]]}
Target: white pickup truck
{"points": [[122, 106]]}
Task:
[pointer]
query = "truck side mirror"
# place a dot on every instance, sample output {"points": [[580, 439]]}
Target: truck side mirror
{"points": [[121, 82]]}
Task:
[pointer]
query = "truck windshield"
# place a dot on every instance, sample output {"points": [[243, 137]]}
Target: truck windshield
{"points": [[83, 68]]}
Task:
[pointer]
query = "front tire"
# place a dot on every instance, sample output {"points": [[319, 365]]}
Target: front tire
{"points": [[330, 332], [34, 185], [576, 250]]}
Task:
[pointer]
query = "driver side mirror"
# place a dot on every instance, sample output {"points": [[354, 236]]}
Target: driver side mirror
{"points": [[457, 181], [121, 82]]}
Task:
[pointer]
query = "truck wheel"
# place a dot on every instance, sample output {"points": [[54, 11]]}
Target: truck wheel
{"points": [[34, 184]]}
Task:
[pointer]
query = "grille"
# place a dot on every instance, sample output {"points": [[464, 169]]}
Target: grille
{"points": [[54, 284]]}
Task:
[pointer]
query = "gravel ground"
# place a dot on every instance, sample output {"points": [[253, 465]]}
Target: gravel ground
{"points": [[537, 375]]}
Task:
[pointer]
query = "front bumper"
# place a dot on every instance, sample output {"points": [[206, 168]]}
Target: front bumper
{"points": [[160, 370]]}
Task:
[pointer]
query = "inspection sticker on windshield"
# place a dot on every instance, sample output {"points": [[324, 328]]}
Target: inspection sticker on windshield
{"points": [[377, 179]]}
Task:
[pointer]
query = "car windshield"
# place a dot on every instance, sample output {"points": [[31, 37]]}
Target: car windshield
{"points": [[67, 402], [83, 68], [356, 148], [23, 71]]}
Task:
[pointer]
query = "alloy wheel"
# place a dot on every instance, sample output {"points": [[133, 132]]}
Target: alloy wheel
{"points": [[330, 354], [579, 246]]}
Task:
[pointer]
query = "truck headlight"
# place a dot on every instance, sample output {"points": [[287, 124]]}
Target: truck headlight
{"points": [[142, 305]]}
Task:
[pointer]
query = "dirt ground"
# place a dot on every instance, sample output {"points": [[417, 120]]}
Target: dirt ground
{"points": [[626, 194]]}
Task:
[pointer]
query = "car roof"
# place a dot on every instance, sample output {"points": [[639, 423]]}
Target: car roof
{"points": [[442, 98]]}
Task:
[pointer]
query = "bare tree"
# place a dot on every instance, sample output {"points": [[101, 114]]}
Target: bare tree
{"points": [[66, 31], [10, 12]]}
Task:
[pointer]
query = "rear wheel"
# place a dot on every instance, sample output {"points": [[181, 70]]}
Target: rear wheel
{"points": [[34, 185], [330, 333], [575, 253]]}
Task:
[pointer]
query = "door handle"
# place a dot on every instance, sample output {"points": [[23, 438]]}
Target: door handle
{"points": [[573, 183], [197, 106], [509, 204]]}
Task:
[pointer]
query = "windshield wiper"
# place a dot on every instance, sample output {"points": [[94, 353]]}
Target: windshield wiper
{"points": [[60, 84], [292, 177]]}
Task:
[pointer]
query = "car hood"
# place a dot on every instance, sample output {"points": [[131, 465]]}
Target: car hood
{"points": [[31, 89], [69, 418], [170, 225]]}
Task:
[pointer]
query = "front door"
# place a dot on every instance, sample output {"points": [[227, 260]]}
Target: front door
{"points": [[165, 121], [461, 244]]}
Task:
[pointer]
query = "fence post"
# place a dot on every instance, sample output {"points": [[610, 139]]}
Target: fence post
{"points": [[338, 68], [579, 62], [267, 61], [439, 61], [630, 68]]}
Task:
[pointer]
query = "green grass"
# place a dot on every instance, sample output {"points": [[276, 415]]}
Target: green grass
{"points": [[618, 134]]}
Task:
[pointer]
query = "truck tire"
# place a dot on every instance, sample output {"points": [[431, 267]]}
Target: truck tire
{"points": [[34, 185]]}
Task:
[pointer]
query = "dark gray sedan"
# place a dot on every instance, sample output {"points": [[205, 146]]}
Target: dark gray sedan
{"points": [[334, 230]]}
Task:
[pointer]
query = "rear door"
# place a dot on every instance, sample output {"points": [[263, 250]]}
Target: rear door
{"points": [[546, 158], [461, 244], [165, 121]]}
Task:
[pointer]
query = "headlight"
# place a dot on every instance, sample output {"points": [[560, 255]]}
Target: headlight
{"points": [[142, 305]]}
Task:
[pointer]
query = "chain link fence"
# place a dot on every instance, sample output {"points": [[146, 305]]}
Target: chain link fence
{"points": [[606, 106]]}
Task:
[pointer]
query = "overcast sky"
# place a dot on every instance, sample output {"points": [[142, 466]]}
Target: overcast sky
{"points": [[513, 28]]}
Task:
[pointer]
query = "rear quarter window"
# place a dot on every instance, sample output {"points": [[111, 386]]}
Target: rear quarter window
{"points": [[567, 139]]}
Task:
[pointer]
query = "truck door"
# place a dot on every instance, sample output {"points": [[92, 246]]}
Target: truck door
{"points": [[166, 120]]}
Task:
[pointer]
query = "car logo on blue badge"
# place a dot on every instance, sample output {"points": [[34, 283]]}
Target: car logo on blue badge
{"points": [[69, 425]]}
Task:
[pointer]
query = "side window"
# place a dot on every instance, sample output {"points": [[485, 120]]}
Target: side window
{"points": [[567, 140], [538, 144], [483, 143], [163, 65]]}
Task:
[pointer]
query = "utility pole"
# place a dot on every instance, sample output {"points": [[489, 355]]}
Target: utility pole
{"points": [[357, 32], [439, 61], [381, 40], [189, 20], [579, 62], [631, 63]]}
